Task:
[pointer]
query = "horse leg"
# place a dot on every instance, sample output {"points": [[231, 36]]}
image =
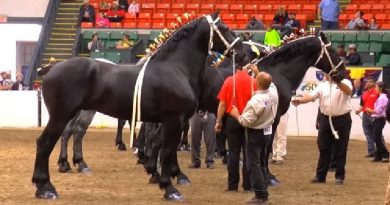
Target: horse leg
{"points": [[118, 139], [182, 179], [79, 130], [45, 145], [141, 144], [171, 131], [63, 163], [153, 145]]}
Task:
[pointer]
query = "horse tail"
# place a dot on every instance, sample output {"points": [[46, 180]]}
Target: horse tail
{"points": [[45, 69]]}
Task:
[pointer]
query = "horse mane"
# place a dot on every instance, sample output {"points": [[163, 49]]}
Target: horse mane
{"points": [[289, 50], [182, 32]]}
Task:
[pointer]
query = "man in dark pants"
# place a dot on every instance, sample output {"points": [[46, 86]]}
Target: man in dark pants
{"points": [[333, 95], [202, 124], [244, 84], [257, 117]]}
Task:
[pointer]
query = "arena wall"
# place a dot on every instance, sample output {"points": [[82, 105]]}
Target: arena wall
{"points": [[23, 8]]}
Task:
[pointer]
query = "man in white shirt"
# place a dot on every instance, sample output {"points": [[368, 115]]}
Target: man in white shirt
{"points": [[333, 95], [257, 118]]}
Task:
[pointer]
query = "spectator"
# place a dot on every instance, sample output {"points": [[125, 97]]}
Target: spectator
{"points": [[255, 24], [357, 22], [134, 8], [328, 11], [341, 52], [272, 37], [124, 5], [373, 25], [104, 6], [357, 89], [352, 58], [367, 102], [281, 16], [115, 14], [378, 115], [5, 83], [87, 13], [18, 85], [124, 43], [95, 44], [291, 26], [102, 21]]}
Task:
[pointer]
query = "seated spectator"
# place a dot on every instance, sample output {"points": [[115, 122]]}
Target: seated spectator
{"points": [[5, 82], [281, 16], [291, 26], [18, 85], [124, 5], [115, 14], [134, 8], [358, 22], [255, 24], [87, 13], [95, 44], [341, 52], [102, 21], [357, 89], [104, 5], [352, 58], [373, 25], [272, 37], [124, 43]]}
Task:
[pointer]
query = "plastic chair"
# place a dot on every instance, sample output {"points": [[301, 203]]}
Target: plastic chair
{"points": [[147, 8], [236, 8], [177, 8], [163, 8], [206, 8]]}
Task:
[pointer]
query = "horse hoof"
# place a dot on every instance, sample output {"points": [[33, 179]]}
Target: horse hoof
{"points": [[184, 182], [273, 182], [64, 169], [48, 195], [122, 147], [154, 180], [175, 196], [85, 170]]}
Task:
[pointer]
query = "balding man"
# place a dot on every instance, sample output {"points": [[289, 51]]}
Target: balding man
{"points": [[257, 118]]}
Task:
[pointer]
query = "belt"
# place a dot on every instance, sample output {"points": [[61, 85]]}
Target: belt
{"points": [[337, 116]]}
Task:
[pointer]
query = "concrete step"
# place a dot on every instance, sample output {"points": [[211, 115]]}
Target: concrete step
{"points": [[65, 25], [67, 15], [66, 20], [56, 49], [57, 54], [60, 45], [61, 40], [63, 35], [68, 10], [62, 30], [70, 5]]}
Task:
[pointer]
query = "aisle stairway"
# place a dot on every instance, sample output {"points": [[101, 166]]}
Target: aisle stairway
{"points": [[62, 36], [317, 22]]}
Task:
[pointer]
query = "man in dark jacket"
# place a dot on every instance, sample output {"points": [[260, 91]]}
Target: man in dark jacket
{"points": [[87, 13], [353, 58], [255, 24]]}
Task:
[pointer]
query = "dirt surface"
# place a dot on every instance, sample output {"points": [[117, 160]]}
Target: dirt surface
{"points": [[116, 179]]}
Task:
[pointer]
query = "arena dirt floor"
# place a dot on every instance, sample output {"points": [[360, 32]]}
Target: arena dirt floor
{"points": [[116, 179]]}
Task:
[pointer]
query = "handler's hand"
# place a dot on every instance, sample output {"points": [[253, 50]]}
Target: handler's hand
{"points": [[296, 101], [218, 127], [254, 69], [234, 112]]}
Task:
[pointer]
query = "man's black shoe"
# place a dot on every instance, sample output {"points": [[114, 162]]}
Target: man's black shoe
{"points": [[385, 159], [315, 180], [369, 155], [194, 166], [376, 160], [259, 201], [231, 190]]}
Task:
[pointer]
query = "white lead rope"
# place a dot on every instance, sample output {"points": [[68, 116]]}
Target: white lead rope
{"points": [[137, 101]]}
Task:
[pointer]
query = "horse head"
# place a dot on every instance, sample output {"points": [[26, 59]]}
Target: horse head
{"points": [[224, 40], [328, 59]]}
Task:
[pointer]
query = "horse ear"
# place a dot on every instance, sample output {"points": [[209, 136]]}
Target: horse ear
{"points": [[323, 38], [215, 14]]}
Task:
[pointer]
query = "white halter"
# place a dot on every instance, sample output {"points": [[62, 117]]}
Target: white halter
{"points": [[214, 27], [334, 70], [324, 50]]}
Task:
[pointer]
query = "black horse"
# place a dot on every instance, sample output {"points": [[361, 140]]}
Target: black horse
{"points": [[170, 93]]}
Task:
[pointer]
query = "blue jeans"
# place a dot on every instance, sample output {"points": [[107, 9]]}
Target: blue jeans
{"points": [[329, 25], [368, 129]]}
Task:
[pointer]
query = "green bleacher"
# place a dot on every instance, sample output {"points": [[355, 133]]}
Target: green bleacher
{"points": [[377, 42]]}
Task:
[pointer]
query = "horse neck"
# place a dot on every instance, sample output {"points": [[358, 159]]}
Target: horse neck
{"points": [[291, 69]]}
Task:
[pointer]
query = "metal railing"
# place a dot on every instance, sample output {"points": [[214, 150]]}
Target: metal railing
{"points": [[77, 43], [43, 40]]}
